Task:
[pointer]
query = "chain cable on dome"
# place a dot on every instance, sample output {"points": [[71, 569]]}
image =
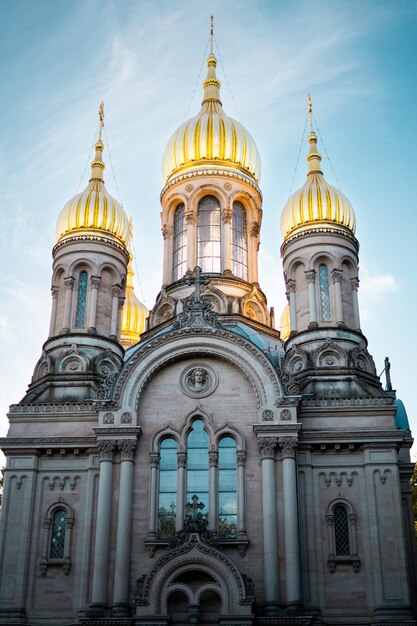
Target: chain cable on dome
{"points": [[326, 153], [227, 81], [298, 157], [89, 157], [142, 295], [112, 168], [197, 82]]}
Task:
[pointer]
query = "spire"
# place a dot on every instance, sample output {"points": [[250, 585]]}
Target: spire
{"points": [[314, 157], [211, 85], [97, 166]]}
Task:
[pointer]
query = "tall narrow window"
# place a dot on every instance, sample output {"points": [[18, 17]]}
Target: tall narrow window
{"points": [[167, 500], [324, 293], [179, 259], [81, 300], [208, 235], [58, 530], [239, 241], [197, 464], [341, 530], [227, 488]]}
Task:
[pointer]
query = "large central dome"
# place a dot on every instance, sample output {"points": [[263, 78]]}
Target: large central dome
{"points": [[211, 137]]}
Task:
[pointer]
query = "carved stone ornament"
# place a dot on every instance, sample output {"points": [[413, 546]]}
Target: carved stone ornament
{"points": [[285, 415], [189, 187], [108, 418], [310, 276], [127, 449], [267, 447], [198, 381], [267, 415], [126, 418], [106, 448], [288, 446], [227, 186]]}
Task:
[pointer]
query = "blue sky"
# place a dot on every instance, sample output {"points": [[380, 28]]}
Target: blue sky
{"points": [[60, 58]]}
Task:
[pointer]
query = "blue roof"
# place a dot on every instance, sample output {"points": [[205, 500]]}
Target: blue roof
{"points": [[401, 418]]}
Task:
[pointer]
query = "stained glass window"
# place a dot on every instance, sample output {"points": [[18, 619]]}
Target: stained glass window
{"points": [[58, 530], [167, 500], [227, 488], [81, 300], [324, 293], [179, 261], [341, 530], [239, 241], [197, 464], [208, 235]]}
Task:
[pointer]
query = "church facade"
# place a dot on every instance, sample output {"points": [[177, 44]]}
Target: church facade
{"points": [[209, 469]]}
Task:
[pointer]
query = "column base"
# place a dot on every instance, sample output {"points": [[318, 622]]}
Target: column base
{"points": [[120, 610], [91, 330], [97, 610]]}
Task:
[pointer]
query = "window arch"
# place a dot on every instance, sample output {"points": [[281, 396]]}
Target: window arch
{"points": [[342, 536], [81, 299], [227, 487], [209, 234], [198, 464], [58, 532], [167, 497], [325, 310], [58, 524], [341, 530], [239, 251], [179, 255]]}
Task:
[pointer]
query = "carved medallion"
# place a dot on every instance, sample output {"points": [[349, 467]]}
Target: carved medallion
{"points": [[198, 381]]}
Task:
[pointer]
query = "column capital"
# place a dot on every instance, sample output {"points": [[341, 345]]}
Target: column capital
{"points": [[121, 301], [310, 276], [354, 283], [181, 459], [54, 291], [116, 291], [166, 231], [240, 458], [288, 446], [267, 447], [106, 448], [95, 282], [213, 458], [254, 229], [190, 217], [69, 282], [337, 275], [290, 284], [227, 216], [154, 459], [127, 449]]}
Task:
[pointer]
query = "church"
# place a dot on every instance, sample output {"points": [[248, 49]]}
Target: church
{"points": [[191, 464]]}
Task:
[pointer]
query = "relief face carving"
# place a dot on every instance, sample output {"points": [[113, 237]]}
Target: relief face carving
{"points": [[198, 381]]}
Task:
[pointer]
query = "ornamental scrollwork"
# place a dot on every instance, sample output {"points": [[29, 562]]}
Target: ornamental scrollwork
{"points": [[106, 448], [267, 447], [288, 446], [127, 449]]}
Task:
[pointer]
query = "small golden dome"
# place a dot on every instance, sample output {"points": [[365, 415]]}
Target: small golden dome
{"points": [[316, 204], [94, 210], [211, 137], [134, 313], [284, 325]]}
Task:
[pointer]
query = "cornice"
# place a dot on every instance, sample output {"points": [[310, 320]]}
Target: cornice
{"points": [[48, 442], [212, 170], [91, 237], [78, 408], [319, 231]]}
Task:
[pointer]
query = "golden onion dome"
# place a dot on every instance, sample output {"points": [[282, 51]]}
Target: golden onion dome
{"points": [[134, 313], [211, 137], [94, 211], [284, 325], [316, 204]]}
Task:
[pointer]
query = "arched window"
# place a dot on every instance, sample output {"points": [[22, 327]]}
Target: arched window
{"points": [[227, 488], [167, 498], [179, 258], [197, 464], [325, 313], [81, 300], [58, 531], [208, 235], [239, 241], [341, 530]]}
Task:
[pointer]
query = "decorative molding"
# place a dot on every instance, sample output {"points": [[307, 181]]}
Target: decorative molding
{"points": [[348, 402], [108, 418], [126, 418], [337, 275], [310, 276], [67, 408], [267, 447], [106, 448], [198, 380], [212, 171], [267, 415], [127, 449], [288, 446], [285, 415]]}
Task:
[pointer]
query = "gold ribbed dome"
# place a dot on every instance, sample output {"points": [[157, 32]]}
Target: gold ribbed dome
{"points": [[134, 313], [211, 137], [316, 204], [284, 325], [94, 210]]}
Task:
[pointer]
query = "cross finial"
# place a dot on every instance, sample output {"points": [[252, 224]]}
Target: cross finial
{"points": [[388, 374], [193, 507], [310, 112], [211, 33], [101, 116], [198, 280]]}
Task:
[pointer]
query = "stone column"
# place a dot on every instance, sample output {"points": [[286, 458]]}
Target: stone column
{"points": [[354, 282], [213, 514], [119, 314], [241, 495], [311, 281], [337, 281], [190, 220], [292, 546], [153, 488], [52, 326], [94, 282], [181, 465], [167, 270], [114, 311], [291, 284], [253, 247], [127, 449], [226, 265], [267, 446], [101, 547], [69, 285]]}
